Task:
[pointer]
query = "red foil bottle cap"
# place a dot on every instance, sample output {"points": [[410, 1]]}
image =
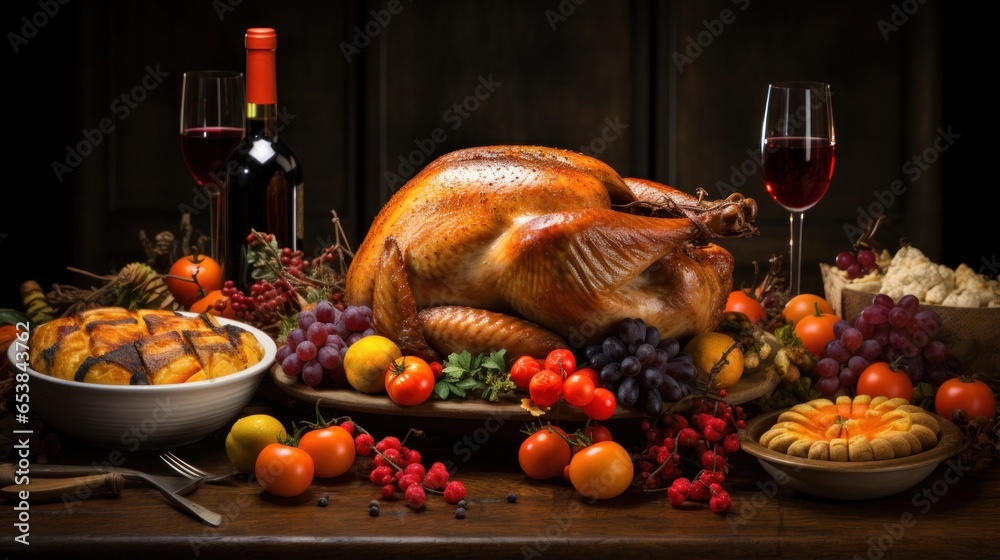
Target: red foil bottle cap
{"points": [[261, 43]]}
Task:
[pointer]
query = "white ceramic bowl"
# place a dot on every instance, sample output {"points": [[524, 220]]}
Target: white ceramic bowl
{"points": [[145, 417], [845, 480]]}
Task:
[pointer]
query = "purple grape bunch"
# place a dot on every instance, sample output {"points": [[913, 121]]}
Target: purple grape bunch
{"points": [[884, 331], [315, 349]]}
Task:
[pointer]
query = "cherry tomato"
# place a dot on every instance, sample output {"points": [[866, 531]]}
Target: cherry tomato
{"points": [[523, 370], [816, 330], [973, 396], [597, 432], [602, 406], [193, 276], [332, 450], [284, 470], [210, 304], [545, 388], [880, 380], [592, 374], [545, 453], [409, 380], [744, 303], [437, 369], [578, 389], [561, 361], [803, 305], [602, 470]]}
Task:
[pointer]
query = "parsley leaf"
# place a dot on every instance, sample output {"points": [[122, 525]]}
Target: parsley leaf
{"points": [[484, 375]]}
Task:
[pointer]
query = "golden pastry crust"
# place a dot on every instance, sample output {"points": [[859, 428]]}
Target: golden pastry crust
{"points": [[858, 429], [116, 346]]}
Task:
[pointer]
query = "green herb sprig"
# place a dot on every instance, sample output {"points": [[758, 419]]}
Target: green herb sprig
{"points": [[484, 375]]}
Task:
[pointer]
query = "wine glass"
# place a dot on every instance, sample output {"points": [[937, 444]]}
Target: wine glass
{"points": [[797, 155], [213, 120]]}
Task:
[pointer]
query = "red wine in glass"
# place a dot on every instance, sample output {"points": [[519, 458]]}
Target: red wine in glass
{"points": [[797, 152], [797, 170], [212, 123], [205, 151]]}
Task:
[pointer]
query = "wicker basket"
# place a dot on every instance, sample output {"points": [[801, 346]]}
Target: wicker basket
{"points": [[971, 333]]}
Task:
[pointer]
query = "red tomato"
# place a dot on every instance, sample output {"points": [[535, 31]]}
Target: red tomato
{"points": [[409, 381], [881, 380], [602, 406], [284, 470], [545, 453], [744, 303], [597, 432], [546, 388], [592, 374], [973, 396], [804, 304], [332, 450], [602, 470], [210, 304], [578, 389], [816, 330], [561, 361], [523, 370], [193, 276]]}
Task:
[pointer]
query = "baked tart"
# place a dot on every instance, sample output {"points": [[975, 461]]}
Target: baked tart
{"points": [[117, 346], [862, 428]]}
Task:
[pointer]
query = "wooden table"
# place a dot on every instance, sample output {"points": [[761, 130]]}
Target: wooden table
{"points": [[942, 517]]}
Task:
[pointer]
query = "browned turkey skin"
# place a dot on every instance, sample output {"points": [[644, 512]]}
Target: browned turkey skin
{"points": [[529, 248]]}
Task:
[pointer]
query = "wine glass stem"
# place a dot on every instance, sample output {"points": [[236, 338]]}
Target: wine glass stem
{"points": [[795, 252], [214, 216]]}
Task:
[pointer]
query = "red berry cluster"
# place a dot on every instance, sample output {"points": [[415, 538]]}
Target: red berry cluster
{"points": [[266, 302], [292, 262], [690, 451], [398, 468]]}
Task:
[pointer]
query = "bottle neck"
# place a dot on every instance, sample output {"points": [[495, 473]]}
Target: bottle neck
{"points": [[262, 88], [262, 120]]}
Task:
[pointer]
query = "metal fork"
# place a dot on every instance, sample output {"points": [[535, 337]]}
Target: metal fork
{"points": [[195, 475], [171, 487]]}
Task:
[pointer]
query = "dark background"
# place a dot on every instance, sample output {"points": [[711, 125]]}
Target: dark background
{"points": [[565, 73]]}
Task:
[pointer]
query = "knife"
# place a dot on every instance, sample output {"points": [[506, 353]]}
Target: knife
{"points": [[61, 472], [80, 487], [77, 487]]}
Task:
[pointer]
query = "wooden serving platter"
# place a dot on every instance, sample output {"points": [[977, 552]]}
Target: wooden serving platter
{"points": [[751, 386]]}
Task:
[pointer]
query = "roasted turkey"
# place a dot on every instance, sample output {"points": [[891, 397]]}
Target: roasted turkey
{"points": [[528, 248]]}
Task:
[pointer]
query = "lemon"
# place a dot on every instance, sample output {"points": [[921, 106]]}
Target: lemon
{"points": [[707, 350], [248, 436], [366, 362]]}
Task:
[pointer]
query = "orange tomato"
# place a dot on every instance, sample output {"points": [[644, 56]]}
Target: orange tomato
{"points": [[193, 276], [803, 305], [8, 334], [816, 330], [744, 303], [545, 454], [207, 304]]}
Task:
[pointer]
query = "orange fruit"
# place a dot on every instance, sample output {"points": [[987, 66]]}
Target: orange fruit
{"points": [[708, 348]]}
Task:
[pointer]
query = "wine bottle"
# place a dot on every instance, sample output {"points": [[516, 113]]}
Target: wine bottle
{"points": [[264, 188]]}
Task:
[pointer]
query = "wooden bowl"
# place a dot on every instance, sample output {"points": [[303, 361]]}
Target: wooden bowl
{"points": [[841, 480]]}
